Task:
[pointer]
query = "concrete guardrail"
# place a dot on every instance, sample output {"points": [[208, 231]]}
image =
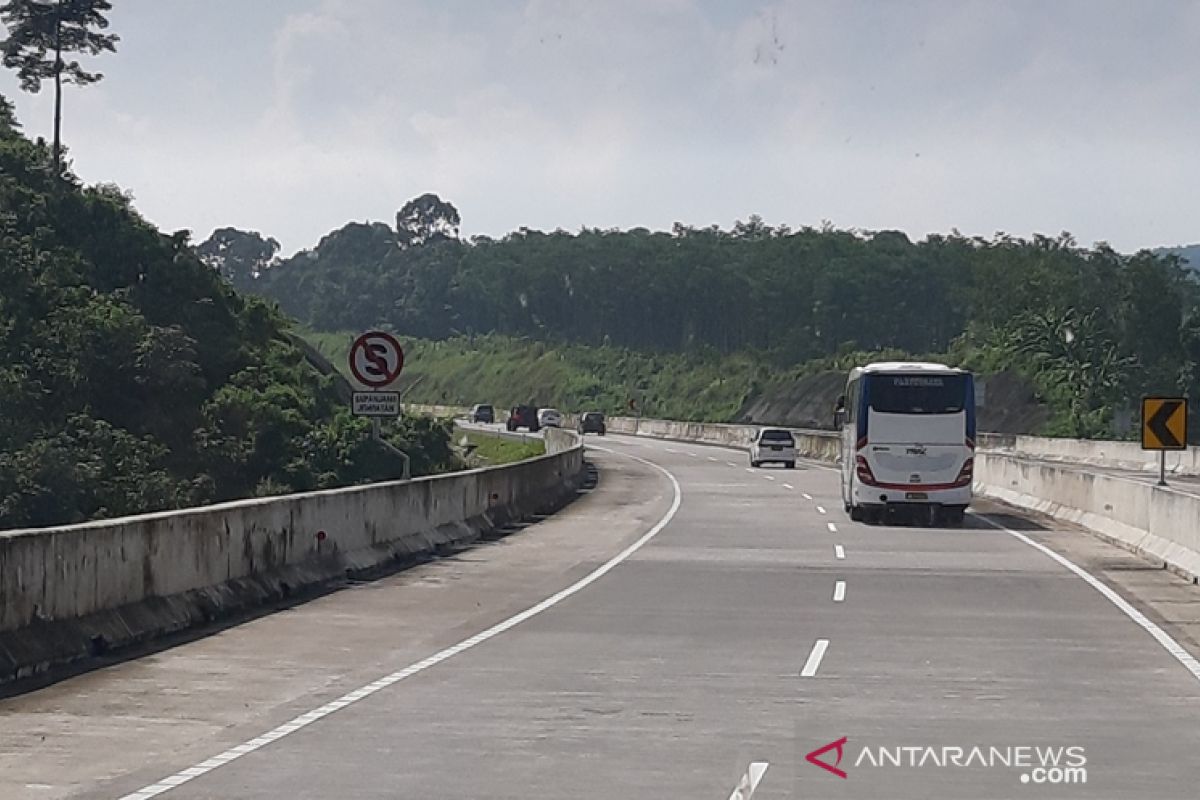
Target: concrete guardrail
{"points": [[71, 592]]}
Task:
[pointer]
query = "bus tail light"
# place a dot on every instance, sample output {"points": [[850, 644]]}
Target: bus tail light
{"points": [[966, 474], [863, 469]]}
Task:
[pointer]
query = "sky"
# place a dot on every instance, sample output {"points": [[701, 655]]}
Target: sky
{"points": [[293, 117]]}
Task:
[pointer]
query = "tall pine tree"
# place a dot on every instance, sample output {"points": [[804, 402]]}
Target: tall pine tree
{"points": [[41, 34]]}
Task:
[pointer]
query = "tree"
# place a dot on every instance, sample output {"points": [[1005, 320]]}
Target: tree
{"points": [[8, 117], [426, 219], [240, 257], [40, 32]]}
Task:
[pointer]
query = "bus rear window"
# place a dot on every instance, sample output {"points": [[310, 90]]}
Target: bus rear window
{"points": [[917, 394]]}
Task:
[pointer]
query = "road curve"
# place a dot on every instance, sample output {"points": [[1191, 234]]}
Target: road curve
{"points": [[690, 628]]}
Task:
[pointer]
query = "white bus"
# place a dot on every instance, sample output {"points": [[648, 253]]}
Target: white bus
{"points": [[908, 441]]}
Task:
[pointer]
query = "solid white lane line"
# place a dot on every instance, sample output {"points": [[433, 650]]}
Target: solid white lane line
{"points": [[814, 658], [788, 486], [839, 591], [839, 551], [820, 509], [1169, 644], [306, 719], [806, 495], [832, 527], [749, 781]]}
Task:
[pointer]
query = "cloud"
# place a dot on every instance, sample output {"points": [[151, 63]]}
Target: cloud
{"points": [[1024, 116]]}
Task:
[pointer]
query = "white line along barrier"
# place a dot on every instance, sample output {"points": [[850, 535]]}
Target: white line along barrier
{"points": [[308, 718], [1173, 647]]}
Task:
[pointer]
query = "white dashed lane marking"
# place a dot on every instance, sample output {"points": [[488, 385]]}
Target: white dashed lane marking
{"points": [[814, 658], [839, 551], [749, 782], [839, 591]]}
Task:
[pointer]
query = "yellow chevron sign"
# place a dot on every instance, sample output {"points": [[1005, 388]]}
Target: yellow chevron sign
{"points": [[1164, 423]]}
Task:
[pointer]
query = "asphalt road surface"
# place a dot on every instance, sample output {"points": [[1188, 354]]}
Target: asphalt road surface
{"points": [[688, 627]]}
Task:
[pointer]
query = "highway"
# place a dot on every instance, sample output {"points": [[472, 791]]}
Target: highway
{"points": [[685, 627]]}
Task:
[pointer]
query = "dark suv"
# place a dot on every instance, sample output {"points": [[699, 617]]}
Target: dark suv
{"points": [[592, 422], [523, 417], [483, 413]]}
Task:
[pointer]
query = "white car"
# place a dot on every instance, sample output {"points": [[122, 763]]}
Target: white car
{"points": [[773, 444], [550, 418]]}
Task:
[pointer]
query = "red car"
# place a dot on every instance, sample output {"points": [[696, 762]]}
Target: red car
{"points": [[523, 417]]}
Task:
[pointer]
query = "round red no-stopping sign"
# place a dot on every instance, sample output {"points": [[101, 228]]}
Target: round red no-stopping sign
{"points": [[376, 359]]}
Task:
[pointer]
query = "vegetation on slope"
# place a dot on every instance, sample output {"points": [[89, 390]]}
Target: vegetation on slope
{"points": [[490, 450], [1092, 328], [133, 379]]}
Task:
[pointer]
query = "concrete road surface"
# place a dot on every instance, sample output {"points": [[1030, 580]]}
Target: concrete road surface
{"points": [[691, 628]]}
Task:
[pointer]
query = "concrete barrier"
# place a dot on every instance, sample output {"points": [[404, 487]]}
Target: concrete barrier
{"points": [[818, 445], [1155, 521], [438, 410], [71, 592], [1124, 455]]}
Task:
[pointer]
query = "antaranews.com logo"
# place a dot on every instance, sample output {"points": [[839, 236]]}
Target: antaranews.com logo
{"points": [[1034, 764]]}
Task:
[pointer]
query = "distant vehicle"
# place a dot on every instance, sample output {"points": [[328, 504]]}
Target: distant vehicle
{"points": [[523, 417], [550, 418], [908, 441], [592, 422], [773, 445], [483, 413]]}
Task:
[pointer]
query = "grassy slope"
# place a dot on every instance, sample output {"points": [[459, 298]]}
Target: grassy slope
{"points": [[498, 450], [505, 371]]}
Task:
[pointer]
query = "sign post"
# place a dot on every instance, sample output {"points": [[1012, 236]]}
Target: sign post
{"points": [[1164, 427], [376, 360]]}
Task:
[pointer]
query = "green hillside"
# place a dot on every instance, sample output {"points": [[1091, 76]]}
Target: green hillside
{"points": [[132, 378], [505, 371], [701, 319]]}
